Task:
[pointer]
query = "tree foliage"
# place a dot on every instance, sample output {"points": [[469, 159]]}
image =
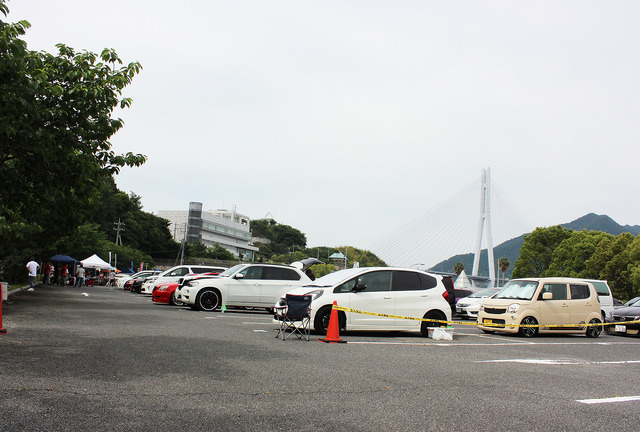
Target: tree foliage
{"points": [[281, 239], [56, 119], [537, 250], [458, 267], [556, 251], [200, 250]]}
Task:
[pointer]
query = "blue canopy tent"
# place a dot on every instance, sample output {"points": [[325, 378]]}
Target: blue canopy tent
{"points": [[63, 259]]}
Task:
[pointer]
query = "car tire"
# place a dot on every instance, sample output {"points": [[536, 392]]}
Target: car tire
{"points": [[436, 315], [594, 330], [528, 331], [208, 300], [321, 321], [173, 301]]}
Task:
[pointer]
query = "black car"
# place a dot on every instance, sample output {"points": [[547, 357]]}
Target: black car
{"points": [[462, 293], [135, 284], [622, 315]]}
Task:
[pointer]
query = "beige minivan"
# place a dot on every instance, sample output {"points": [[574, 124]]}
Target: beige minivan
{"points": [[529, 306]]}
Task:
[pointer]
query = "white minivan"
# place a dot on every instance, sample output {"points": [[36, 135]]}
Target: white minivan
{"points": [[604, 295]]}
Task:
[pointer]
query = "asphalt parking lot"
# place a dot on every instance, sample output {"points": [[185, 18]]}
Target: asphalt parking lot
{"points": [[98, 358]]}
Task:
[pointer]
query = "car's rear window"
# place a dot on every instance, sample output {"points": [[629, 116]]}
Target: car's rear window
{"points": [[579, 291], [406, 281], [601, 288]]}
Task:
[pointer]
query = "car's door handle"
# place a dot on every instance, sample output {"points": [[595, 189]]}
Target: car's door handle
{"points": [[388, 298]]}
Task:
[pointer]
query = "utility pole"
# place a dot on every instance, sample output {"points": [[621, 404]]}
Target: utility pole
{"points": [[119, 227]]}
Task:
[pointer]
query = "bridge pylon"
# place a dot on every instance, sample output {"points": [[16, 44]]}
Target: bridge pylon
{"points": [[485, 221]]}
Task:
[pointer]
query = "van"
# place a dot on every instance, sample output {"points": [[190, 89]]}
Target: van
{"points": [[556, 304], [604, 295]]}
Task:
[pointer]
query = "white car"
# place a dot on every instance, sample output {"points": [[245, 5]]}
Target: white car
{"points": [[468, 307], [381, 290], [174, 274], [604, 296], [249, 285]]}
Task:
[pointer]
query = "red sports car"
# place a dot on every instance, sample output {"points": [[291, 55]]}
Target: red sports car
{"points": [[165, 292]]}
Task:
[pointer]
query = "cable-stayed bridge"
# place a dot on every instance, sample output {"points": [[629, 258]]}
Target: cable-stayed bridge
{"points": [[475, 219]]}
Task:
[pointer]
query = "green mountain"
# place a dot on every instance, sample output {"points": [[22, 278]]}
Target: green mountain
{"points": [[511, 248]]}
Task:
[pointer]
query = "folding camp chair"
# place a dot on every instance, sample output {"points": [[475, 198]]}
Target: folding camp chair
{"points": [[294, 316]]}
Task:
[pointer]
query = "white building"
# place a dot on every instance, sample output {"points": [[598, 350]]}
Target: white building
{"points": [[227, 228]]}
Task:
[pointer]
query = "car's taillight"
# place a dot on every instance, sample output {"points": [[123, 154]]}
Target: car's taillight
{"points": [[445, 294]]}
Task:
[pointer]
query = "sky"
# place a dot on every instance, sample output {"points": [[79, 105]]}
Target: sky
{"points": [[348, 119]]}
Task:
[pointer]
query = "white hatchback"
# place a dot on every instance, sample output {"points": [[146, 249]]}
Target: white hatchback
{"points": [[381, 290]]}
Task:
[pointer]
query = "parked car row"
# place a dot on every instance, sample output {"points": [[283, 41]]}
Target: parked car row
{"points": [[524, 306]]}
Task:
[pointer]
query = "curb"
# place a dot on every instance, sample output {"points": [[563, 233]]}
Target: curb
{"points": [[12, 291]]}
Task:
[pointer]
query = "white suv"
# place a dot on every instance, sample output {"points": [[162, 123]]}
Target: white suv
{"points": [[252, 285], [174, 274], [382, 290]]}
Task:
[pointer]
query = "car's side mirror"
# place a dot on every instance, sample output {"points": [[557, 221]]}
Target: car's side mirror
{"points": [[547, 296], [359, 287], [239, 276]]}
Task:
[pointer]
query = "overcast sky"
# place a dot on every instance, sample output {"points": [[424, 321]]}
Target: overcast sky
{"points": [[347, 119]]}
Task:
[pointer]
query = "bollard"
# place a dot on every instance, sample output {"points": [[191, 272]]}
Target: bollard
{"points": [[3, 297]]}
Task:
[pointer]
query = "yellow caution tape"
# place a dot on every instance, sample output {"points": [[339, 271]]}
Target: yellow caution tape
{"points": [[580, 325]]}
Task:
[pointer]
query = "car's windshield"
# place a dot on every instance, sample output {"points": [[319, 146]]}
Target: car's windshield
{"points": [[634, 303], [518, 289], [228, 272], [487, 292], [335, 278]]}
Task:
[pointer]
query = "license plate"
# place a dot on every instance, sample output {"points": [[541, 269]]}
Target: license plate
{"points": [[621, 328], [458, 310], [488, 321]]}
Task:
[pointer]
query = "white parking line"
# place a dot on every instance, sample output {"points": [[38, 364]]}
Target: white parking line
{"points": [[510, 343], [610, 400], [556, 362]]}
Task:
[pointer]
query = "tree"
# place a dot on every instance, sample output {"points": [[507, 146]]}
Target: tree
{"points": [[571, 256], [503, 265], [200, 250], [458, 267], [536, 252], [319, 270], [55, 113], [281, 238]]}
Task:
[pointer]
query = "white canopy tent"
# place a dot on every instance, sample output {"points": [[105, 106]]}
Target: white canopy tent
{"points": [[94, 261], [463, 281]]}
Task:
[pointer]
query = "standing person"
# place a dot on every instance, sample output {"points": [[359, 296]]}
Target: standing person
{"points": [[63, 275], [47, 273], [79, 276], [32, 266], [112, 277]]}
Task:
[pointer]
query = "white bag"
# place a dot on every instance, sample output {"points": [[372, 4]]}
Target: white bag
{"points": [[440, 334]]}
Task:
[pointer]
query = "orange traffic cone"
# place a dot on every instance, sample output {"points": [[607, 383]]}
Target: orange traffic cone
{"points": [[333, 331]]}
